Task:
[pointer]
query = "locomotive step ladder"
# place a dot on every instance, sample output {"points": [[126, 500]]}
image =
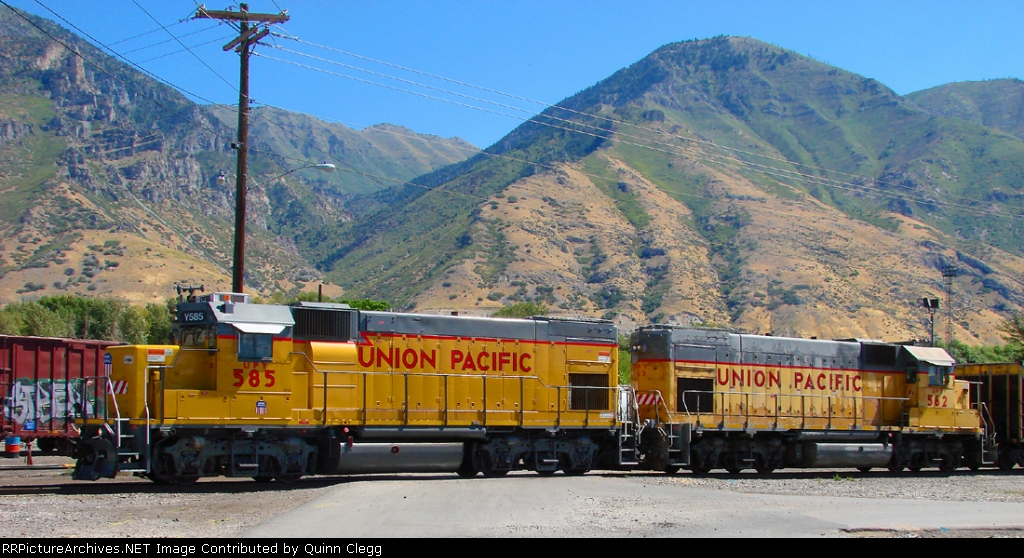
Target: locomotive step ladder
{"points": [[130, 457], [628, 454], [678, 444], [989, 447]]}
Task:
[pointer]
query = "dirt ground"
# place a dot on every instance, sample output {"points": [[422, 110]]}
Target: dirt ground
{"points": [[46, 503]]}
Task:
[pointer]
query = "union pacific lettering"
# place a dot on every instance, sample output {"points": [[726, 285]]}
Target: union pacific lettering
{"points": [[808, 380], [416, 359]]}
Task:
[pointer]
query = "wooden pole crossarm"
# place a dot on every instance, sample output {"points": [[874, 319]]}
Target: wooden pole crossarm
{"points": [[203, 13], [248, 33]]}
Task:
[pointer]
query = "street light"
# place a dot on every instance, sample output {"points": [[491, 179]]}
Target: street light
{"points": [[932, 304], [222, 178], [238, 267]]}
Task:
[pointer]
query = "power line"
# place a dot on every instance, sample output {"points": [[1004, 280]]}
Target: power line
{"points": [[147, 33], [165, 41], [623, 123], [765, 170], [201, 61], [179, 51], [775, 172]]}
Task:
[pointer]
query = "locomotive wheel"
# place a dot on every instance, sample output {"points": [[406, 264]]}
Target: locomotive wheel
{"points": [[183, 480], [466, 472], [288, 478], [1005, 462], [765, 470], [157, 478], [489, 471], [262, 479], [466, 469], [178, 480], [864, 469], [575, 472], [700, 470], [671, 470], [947, 465], [494, 473], [895, 469], [546, 472]]}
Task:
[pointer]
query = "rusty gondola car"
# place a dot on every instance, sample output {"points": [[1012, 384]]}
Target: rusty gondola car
{"points": [[40, 378]]}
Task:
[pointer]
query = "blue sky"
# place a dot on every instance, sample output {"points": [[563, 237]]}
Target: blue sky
{"points": [[538, 50]]}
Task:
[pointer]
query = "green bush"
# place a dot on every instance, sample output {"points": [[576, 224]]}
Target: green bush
{"points": [[521, 310]]}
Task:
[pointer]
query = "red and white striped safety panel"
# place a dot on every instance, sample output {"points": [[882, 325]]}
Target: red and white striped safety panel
{"points": [[648, 398], [118, 387]]}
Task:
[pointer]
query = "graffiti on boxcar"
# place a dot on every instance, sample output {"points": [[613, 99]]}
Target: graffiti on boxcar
{"points": [[41, 401]]}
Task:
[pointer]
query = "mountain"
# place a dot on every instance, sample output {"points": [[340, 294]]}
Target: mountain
{"points": [[997, 103], [107, 177], [723, 181]]}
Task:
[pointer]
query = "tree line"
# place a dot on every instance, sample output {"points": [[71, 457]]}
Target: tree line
{"points": [[72, 316], [114, 319]]}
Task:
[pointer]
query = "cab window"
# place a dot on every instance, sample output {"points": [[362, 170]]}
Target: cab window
{"points": [[255, 346], [938, 376], [195, 336]]}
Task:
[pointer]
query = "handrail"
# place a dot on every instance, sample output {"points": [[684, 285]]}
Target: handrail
{"points": [[117, 411], [746, 407]]}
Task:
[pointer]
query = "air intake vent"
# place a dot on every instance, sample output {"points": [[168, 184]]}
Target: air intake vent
{"points": [[588, 392], [322, 325]]}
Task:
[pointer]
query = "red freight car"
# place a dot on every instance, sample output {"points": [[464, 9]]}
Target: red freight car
{"points": [[41, 379]]}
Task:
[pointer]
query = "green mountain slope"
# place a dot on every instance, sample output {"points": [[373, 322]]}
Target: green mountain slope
{"points": [[94, 152], [997, 103], [708, 182]]}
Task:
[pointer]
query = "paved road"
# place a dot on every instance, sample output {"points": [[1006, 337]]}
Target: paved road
{"points": [[524, 505]]}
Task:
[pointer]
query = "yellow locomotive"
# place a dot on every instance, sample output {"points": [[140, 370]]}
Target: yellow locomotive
{"points": [[277, 392], [713, 399]]}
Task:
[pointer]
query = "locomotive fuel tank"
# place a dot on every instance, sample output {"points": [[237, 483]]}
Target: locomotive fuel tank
{"points": [[839, 454], [390, 458]]}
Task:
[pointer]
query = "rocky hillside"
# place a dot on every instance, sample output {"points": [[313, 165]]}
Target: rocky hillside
{"points": [[107, 177], [723, 181]]}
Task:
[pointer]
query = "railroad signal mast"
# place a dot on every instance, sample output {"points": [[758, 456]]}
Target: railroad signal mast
{"points": [[249, 25]]}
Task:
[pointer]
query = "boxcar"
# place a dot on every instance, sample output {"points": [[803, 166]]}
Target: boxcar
{"points": [[998, 392]]}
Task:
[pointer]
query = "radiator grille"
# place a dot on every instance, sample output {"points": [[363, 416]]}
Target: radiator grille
{"points": [[322, 325], [588, 399]]}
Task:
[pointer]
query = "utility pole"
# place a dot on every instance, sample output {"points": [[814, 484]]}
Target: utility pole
{"points": [[949, 272], [932, 304], [249, 36]]}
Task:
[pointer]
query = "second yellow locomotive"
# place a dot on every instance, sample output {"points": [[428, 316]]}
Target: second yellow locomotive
{"points": [[720, 400]]}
